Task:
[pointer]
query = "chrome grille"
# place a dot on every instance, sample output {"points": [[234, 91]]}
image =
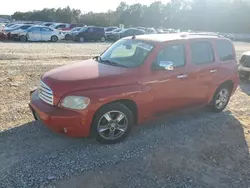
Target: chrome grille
{"points": [[45, 93]]}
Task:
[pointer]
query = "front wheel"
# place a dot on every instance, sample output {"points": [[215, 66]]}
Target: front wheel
{"points": [[220, 99], [82, 39], [103, 39], [54, 38], [23, 38], [112, 123]]}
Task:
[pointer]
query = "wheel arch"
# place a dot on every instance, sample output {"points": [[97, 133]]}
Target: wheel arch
{"points": [[129, 103], [228, 83]]}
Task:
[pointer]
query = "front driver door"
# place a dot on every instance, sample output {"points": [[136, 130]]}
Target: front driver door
{"points": [[46, 33], [170, 89], [34, 34]]}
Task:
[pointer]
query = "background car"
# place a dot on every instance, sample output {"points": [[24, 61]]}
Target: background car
{"points": [[8, 30], [109, 35], [69, 34], [14, 35], [41, 33], [128, 32], [91, 34], [109, 29], [65, 26]]}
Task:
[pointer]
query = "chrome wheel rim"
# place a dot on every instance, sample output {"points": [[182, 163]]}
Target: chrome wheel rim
{"points": [[103, 39], [54, 39], [112, 125], [81, 39], [222, 99]]}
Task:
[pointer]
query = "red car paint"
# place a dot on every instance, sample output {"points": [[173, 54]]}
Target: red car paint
{"points": [[153, 92]]}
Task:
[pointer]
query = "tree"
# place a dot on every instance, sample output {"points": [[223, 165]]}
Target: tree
{"points": [[201, 15]]}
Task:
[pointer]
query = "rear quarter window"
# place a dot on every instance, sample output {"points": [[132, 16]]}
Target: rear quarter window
{"points": [[225, 50], [202, 52]]}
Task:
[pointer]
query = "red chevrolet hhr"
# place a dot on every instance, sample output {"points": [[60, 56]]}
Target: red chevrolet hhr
{"points": [[134, 80]]}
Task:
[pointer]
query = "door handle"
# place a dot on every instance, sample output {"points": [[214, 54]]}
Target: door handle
{"points": [[182, 76], [213, 71]]}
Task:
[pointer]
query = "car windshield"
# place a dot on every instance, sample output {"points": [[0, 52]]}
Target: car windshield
{"points": [[126, 53], [116, 30], [76, 29], [83, 29]]}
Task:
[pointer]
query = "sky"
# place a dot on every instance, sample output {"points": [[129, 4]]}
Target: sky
{"points": [[11, 6]]}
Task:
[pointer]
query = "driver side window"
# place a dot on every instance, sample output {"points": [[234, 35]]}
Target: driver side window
{"points": [[173, 53]]}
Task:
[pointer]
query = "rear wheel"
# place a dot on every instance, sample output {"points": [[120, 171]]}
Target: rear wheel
{"points": [[112, 123], [54, 38], [82, 39], [103, 39], [23, 38], [220, 99], [67, 37]]}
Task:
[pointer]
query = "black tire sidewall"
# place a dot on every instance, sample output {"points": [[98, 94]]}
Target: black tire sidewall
{"points": [[213, 106], [54, 37], [23, 37], [109, 107]]}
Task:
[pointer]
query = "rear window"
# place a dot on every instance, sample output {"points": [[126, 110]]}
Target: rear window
{"points": [[225, 50], [202, 53]]}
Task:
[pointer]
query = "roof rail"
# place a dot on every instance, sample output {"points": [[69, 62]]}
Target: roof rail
{"points": [[205, 34]]}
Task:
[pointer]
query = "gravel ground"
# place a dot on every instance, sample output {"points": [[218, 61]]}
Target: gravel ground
{"points": [[192, 149]]}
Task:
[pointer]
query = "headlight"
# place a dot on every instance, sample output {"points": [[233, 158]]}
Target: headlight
{"points": [[75, 102]]}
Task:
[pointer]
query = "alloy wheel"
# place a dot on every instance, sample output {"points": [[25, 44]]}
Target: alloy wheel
{"points": [[82, 39], [112, 125], [222, 99]]}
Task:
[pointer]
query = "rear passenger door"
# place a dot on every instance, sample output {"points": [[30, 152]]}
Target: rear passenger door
{"points": [[204, 69]]}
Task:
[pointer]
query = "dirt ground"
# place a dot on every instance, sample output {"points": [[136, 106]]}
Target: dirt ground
{"points": [[217, 156]]}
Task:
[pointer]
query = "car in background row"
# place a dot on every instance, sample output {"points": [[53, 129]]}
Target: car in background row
{"points": [[110, 29], [244, 66], [69, 34], [41, 33], [126, 33], [148, 30], [8, 30], [14, 35], [90, 34], [65, 26], [110, 33]]}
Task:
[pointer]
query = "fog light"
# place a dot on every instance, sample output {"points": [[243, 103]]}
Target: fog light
{"points": [[65, 130]]}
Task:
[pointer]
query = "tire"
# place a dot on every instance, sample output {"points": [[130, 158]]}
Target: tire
{"points": [[54, 38], [67, 37], [244, 77], [81, 39], [23, 38], [219, 102], [103, 39], [112, 123]]}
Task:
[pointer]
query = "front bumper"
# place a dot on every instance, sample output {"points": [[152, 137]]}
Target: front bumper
{"points": [[61, 120]]}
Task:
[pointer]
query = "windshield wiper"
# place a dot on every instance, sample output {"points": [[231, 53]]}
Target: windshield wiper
{"points": [[106, 61]]}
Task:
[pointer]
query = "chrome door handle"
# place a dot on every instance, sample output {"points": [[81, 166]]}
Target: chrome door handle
{"points": [[213, 71], [182, 76]]}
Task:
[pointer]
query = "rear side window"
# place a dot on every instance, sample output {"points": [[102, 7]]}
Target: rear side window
{"points": [[202, 53], [173, 53], [225, 50]]}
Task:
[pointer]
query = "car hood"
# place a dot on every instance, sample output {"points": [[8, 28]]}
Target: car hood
{"points": [[88, 74]]}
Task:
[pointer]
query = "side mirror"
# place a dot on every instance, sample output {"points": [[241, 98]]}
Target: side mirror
{"points": [[166, 65]]}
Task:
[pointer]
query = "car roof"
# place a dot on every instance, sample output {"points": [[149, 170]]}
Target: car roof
{"points": [[159, 38]]}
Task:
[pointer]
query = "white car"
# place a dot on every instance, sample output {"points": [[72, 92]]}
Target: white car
{"points": [[41, 33]]}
